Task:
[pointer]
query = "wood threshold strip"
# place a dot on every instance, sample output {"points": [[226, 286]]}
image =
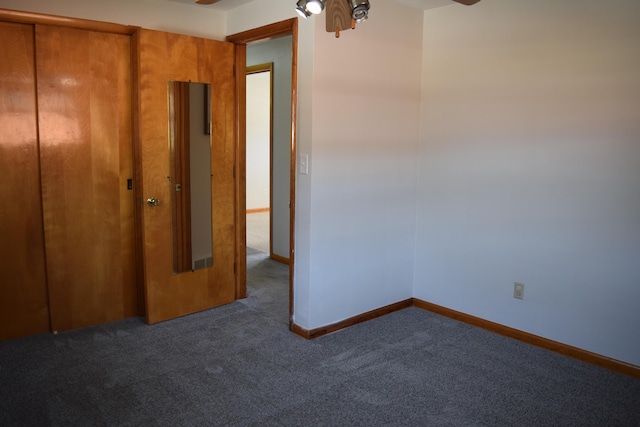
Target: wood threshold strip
{"points": [[538, 341], [258, 210]]}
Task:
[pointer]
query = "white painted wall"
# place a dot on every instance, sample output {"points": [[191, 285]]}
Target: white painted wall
{"points": [[530, 168], [168, 16], [366, 103], [355, 211], [258, 141], [278, 51]]}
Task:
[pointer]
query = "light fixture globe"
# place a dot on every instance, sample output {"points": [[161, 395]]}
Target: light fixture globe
{"points": [[315, 6], [359, 10], [303, 13], [301, 8], [306, 8]]}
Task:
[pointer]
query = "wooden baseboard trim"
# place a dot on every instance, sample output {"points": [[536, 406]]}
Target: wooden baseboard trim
{"points": [[369, 315], [300, 331], [538, 341], [280, 258], [257, 210]]}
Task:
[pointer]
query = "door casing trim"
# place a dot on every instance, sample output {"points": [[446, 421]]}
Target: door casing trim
{"points": [[267, 32]]}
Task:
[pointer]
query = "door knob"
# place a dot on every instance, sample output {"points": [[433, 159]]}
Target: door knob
{"points": [[152, 201]]}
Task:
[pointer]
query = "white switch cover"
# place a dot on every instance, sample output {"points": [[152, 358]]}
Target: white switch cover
{"points": [[303, 164]]}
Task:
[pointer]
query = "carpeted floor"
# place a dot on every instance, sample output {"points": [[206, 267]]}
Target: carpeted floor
{"points": [[238, 365], [258, 231]]}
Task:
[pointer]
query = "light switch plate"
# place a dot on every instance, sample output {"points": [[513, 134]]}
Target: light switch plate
{"points": [[303, 164]]}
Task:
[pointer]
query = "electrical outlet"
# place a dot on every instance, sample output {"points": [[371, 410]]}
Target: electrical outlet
{"points": [[518, 290]]}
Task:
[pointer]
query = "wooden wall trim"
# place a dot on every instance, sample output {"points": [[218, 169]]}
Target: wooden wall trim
{"points": [[300, 331], [280, 258], [260, 68], [63, 21], [538, 341], [266, 32], [369, 315], [240, 170], [294, 156]]}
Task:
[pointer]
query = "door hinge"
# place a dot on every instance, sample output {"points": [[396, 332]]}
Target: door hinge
{"points": [[234, 70], [234, 172]]}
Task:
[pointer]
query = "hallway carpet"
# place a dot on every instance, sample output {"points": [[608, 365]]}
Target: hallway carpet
{"points": [[258, 229]]}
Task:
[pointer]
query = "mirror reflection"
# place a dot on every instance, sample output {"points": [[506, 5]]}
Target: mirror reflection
{"points": [[190, 180]]}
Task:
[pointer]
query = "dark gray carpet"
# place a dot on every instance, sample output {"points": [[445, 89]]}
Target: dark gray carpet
{"points": [[251, 251], [239, 365]]}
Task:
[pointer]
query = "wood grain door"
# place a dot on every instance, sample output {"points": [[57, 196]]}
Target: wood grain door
{"points": [[168, 57], [23, 287], [84, 113]]}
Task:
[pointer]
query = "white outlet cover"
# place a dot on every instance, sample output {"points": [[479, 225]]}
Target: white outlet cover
{"points": [[518, 290]]}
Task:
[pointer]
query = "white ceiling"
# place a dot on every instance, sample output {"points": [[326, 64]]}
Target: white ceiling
{"points": [[227, 5], [426, 4], [222, 5]]}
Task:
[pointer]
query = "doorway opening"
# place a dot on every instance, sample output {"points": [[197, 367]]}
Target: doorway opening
{"points": [[259, 152], [285, 212]]}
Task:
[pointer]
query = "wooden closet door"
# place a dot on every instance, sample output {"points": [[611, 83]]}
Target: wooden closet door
{"points": [[23, 290], [84, 113]]}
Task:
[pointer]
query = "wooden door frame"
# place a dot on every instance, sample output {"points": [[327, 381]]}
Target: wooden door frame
{"points": [[267, 32]]}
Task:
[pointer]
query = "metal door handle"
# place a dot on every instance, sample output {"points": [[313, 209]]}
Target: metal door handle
{"points": [[152, 201]]}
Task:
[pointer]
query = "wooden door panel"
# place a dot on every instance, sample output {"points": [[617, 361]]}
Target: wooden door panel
{"points": [[165, 57], [23, 290], [84, 103]]}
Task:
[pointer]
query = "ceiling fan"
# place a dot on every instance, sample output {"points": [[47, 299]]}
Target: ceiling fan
{"points": [[343, 14]]}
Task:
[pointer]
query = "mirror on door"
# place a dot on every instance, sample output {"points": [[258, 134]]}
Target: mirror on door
{"points": [[190, 180]]}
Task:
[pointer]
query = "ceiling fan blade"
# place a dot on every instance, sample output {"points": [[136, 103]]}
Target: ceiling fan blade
{"points": [[207, 1], [467, 2]]}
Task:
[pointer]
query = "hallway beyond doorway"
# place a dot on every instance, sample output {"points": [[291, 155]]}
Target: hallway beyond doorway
{"points": [[258, 232]]}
